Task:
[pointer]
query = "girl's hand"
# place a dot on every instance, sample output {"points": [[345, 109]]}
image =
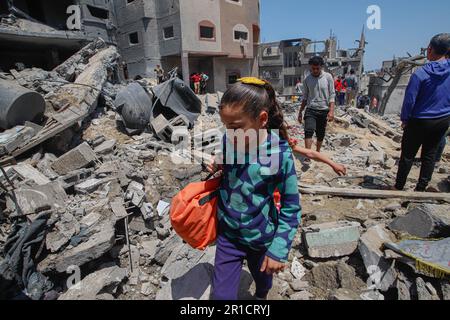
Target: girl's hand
{"points": [[213, 167], [271, 266], [340, 170]]}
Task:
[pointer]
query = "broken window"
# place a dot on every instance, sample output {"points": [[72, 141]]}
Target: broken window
{"points": [[240, 35], [49, 12], [168, 33], [98, 12], [134, 38]]}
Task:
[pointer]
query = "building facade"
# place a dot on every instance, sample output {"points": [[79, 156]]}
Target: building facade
{"points": [[217, 37], [285, 62], [37, 33]]}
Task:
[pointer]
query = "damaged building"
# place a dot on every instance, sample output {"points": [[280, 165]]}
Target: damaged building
{"points": [[285, 62], [219, 38], [389, 84], [44, 33]]}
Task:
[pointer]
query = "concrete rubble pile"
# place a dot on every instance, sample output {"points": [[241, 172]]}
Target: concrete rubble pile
{"points": [[87, 183]]}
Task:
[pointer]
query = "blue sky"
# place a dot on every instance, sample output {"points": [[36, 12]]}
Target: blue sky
{"points": [[406, 26]]}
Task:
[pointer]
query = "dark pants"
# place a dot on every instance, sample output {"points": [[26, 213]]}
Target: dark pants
{"points": [[316, 122], [228, 267], [441, 149], [160, 80], [341, 98], [425, 133]]}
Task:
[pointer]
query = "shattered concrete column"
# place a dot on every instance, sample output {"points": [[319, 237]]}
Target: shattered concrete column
{"points": [[185, 66]]}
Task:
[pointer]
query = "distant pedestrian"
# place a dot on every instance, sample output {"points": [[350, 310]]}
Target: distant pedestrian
{"points": [[374, 105], [299, 87], [351, 82], [203, 82], [196, 79], [319, 101], [340, 89], [426, 113], [159, 74]]}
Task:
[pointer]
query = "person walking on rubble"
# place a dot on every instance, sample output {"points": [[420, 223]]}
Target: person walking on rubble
{"points": [[196, 80], [426, 113], [351, 83], [251, 226], [159, 74], [340, 91], [203, 82], [319, 101]]}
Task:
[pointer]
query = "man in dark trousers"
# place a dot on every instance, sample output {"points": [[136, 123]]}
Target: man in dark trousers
{"points": [[426, 113], [319, 98]]}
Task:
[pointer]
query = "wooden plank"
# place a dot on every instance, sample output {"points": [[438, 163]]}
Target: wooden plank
{"points": [[373, 194]]}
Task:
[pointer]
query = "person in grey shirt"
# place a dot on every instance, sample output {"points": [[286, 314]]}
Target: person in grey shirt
{"points": [[352, 88], [319, 99]]}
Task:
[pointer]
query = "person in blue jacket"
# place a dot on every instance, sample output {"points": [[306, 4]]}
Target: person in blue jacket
{"points": [[426, 113]]}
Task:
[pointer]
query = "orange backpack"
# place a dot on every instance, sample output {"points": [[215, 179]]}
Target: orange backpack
{"points": [[193, 213]]}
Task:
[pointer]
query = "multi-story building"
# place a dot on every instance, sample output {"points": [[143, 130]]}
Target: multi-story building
{"points": [[217, 37], [37, 32], [285, 62]]}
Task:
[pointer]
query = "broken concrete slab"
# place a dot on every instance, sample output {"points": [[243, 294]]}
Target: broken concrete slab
{"points": [[106, 147], [302, 295], [149, 248], [100, 282], [75, 177], [345, 295], [32, 200], [68, 68], [184, 266], [185, 258], [334, 239], [90, 185], [45, 166], [299, 285], [425, 290], [425, 221], [64, 230], [139, 225], [370, 248], [162, 128], [372, 296], [403, 287], [78, 158], [100, 241], [165, 248], [377, 158], [445, 289], [15, 138], [332, 275], [27, 172]]}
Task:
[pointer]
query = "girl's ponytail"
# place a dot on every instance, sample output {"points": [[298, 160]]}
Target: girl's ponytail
{"points": [[276, 117]]}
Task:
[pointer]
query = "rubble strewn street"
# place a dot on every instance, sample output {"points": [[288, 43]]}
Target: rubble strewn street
{"points": [[92, 199], [90, 161]]}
